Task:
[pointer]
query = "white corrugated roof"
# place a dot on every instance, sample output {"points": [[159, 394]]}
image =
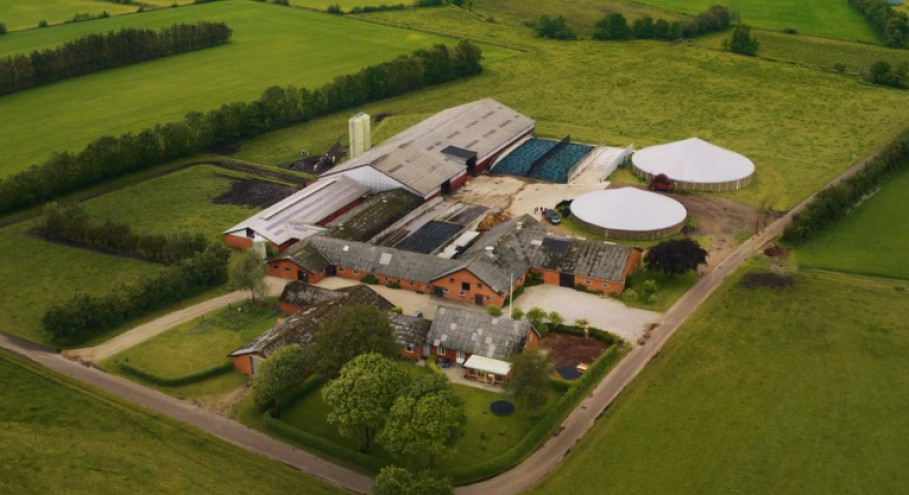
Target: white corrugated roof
{"points": [[488, 365], [628, 208], [693, 160], [414, 157], [296, 216]]}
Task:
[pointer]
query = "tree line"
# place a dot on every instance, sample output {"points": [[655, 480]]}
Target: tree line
{"points": [[108, 157], [84, 316], [884, 74], [97, 52], [835, 202], [890, 24], [615, 27], [72, 224]]}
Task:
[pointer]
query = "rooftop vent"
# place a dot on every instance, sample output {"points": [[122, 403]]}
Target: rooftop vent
{"points": [[491, 251]]}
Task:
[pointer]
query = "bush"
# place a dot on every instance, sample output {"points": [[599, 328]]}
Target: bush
{"points": [[554, 28], [334, 9], [883, 74], [42, 23], [321, 444], [790, 31], [394, 285], [741, 41], [369, 279], [285, 3], [493, 310], [630, 295], [2, 28]]}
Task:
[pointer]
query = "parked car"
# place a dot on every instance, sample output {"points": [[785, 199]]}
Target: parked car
{"points": [[552, 216], [445, 362]]}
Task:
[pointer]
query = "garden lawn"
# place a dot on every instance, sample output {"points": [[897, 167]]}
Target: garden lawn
{"points": [[36, 274], [177, 202], [763, 391], [872, 240], [830, 18], [486, 435], [62, 437], [801, 127], [271, 45], [24, 14], [669, 289]]}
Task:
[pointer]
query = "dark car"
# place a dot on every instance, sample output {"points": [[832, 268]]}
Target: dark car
{"points": [[552, 216], [445, 362]]}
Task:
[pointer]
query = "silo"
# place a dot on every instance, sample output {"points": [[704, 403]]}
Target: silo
{"points": [[359, 134]]}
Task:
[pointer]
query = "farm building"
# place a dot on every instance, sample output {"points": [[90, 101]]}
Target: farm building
{"points": [[437, 155], [316, 306], [629, 213], [486, 272], [479, 342], [695, 165]]}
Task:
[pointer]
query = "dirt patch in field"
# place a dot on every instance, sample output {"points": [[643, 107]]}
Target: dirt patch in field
{"points": [[775, 251], [227, 149], [568, 350], [225, 405], [771, 280], [253, 192], [318, 164]]}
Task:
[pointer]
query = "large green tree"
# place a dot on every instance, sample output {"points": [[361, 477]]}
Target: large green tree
{"points": [[355, 330], [394, 480], [278, 375], [248, 273], [742, 41], [529, 383], [361, 397], [676, 257], [424, 422]]}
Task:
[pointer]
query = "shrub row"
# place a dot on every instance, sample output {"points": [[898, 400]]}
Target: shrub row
{"points": [[884, 74], [596, 333], [84, 316], [615, 26], [368, 9], [542, 430], [176, 381], [71, 224], [109, 157], [96, 52], [890, 24], [835, 202]]}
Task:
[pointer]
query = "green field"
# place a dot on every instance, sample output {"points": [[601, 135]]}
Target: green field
{"points": [[64, 438], [270, 46], [872, 240], [176, 202], [36, 274], [831, 18], [763, 391], [800, 126], [24, 14]]}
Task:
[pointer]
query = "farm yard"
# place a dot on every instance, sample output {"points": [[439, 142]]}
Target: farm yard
{"points": [[782, 381]]}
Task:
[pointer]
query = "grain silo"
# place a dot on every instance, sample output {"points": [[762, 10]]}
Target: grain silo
{"points": [[359, 134]]}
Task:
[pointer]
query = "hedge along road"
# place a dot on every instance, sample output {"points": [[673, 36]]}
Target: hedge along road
{"points": [[521, 477]]}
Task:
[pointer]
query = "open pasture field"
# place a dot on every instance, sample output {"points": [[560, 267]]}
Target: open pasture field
{"points": [[872, 240], [799, 126], [271, 45], [829, 18], [763, 391], [65, 438], [36, 274], [181, 201], [24, 14]]}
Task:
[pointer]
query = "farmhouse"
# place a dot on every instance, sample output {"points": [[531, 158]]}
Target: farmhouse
{"points": [[427, 160], [486, 272], [314, 306], [480, 342]]}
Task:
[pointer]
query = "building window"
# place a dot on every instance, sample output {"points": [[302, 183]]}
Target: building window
{"points": [[274, 266], [286, 269], [340, 269], [587, 282], [408, 348], [479, 286], [462, 293], [356, 272], [605, 286], [441, 349], [411, 283], [465, 285], [488, 298], [444, 290], [451, 279]]}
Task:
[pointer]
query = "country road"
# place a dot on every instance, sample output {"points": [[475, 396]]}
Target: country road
{"points": [[514, 481]]}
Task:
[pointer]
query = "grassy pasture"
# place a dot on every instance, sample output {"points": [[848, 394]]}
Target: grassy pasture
{"points": [[762, 391], [24, 14], [872, 240], [36, 274], [799, 126], [62, 437], [829, 18], [270, 46], [176, 202]]}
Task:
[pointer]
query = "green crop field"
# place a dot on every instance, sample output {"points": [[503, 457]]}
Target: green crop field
{"points": [[65, 438], [24, 14], [872, 240], [831, 18], [800, 126], [271, 45], [763, 391], [176, 202], [36, 274]]}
